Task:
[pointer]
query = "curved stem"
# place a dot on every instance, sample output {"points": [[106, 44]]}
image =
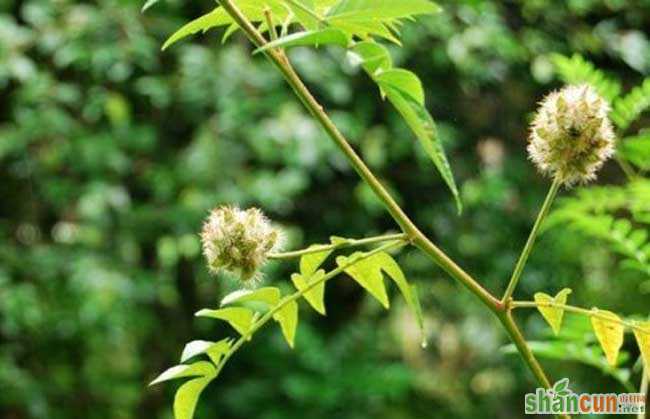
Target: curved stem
{"points": [[525, 254], [259, 323], [405, 223], [344, 243]]}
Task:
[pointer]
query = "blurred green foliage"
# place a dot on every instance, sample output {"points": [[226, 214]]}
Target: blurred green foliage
{"points": [[111, 154]]}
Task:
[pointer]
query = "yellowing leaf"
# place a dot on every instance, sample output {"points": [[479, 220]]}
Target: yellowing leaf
{"points": [[553, 315], [198, 369], [187, 397], [643, 339], [214, 350], [288, 319], [368, 274], [240, 318], [267, 295], [609, 331], [315, 296]]}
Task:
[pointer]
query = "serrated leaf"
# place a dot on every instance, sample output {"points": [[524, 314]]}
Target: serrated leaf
{"points": [[403, 80], [632, 105], [577, 70], [643, 340], [309, 263], [328, 36], [392, 268], [287, 316], [197, 369], [315, 296], [240, 318], [423, 126], [215, 350], [364, 10], [610, 333], [268, 295], [216, 17], [372, 56], [187, 396], [553, 315], [366, 273]]}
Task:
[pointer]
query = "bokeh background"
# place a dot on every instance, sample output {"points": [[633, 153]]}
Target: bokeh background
{"points": [[112, 153]]}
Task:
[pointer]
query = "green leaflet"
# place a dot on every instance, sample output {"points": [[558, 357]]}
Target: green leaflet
{"points": [[553, 315], [214, 350], [424, 127], [315, 296], [197, 369], [368, 10], [403, 80], [628, 108], [268, 295], [187, 396], [240, 318], [215, 18], [369, 274], [577, 70], [636, 150], [371, 56], [287, 316], [311, 262], [328, 36]]}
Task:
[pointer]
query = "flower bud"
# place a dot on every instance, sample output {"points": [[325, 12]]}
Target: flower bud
{"points": [[237, 241], [571, 135]]}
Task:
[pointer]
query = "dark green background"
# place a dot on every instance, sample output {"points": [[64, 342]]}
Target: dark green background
{"points": [[112, 153]]}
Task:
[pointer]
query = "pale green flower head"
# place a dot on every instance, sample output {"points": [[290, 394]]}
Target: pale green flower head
{"points": [[571, 136], [238, 241]]}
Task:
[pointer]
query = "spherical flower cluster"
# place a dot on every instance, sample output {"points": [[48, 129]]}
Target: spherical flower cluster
{"points": [[237, 241], [571, 135]]}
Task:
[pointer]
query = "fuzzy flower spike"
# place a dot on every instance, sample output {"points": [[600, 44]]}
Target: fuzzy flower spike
{"points": [[571, 135], [238, 242]]}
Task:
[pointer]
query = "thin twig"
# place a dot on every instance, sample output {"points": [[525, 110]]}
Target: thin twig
{"points": [[344, 243]]}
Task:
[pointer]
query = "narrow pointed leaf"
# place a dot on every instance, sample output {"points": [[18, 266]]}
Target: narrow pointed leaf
{"points": [[267, 295], [643, 340], [315, 296], [368, 274], [148, 4], [553, 315], [217, 17], [355, 10], [215, 350], [197, 369], [329, 36], [240, 318], [306, 14], [425, 129], [392, 268], [187, 396], [288, 319], [609, 332]]}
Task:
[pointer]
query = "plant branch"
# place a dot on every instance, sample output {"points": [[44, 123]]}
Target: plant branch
{"points": [[342, 244], [528, 248], [259, 323], [405, 223], [316, 109]]}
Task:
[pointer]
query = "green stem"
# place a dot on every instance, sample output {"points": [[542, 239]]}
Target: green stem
{"points": [[344, 243], [259, 323], [405, 223], [525, 254]]}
